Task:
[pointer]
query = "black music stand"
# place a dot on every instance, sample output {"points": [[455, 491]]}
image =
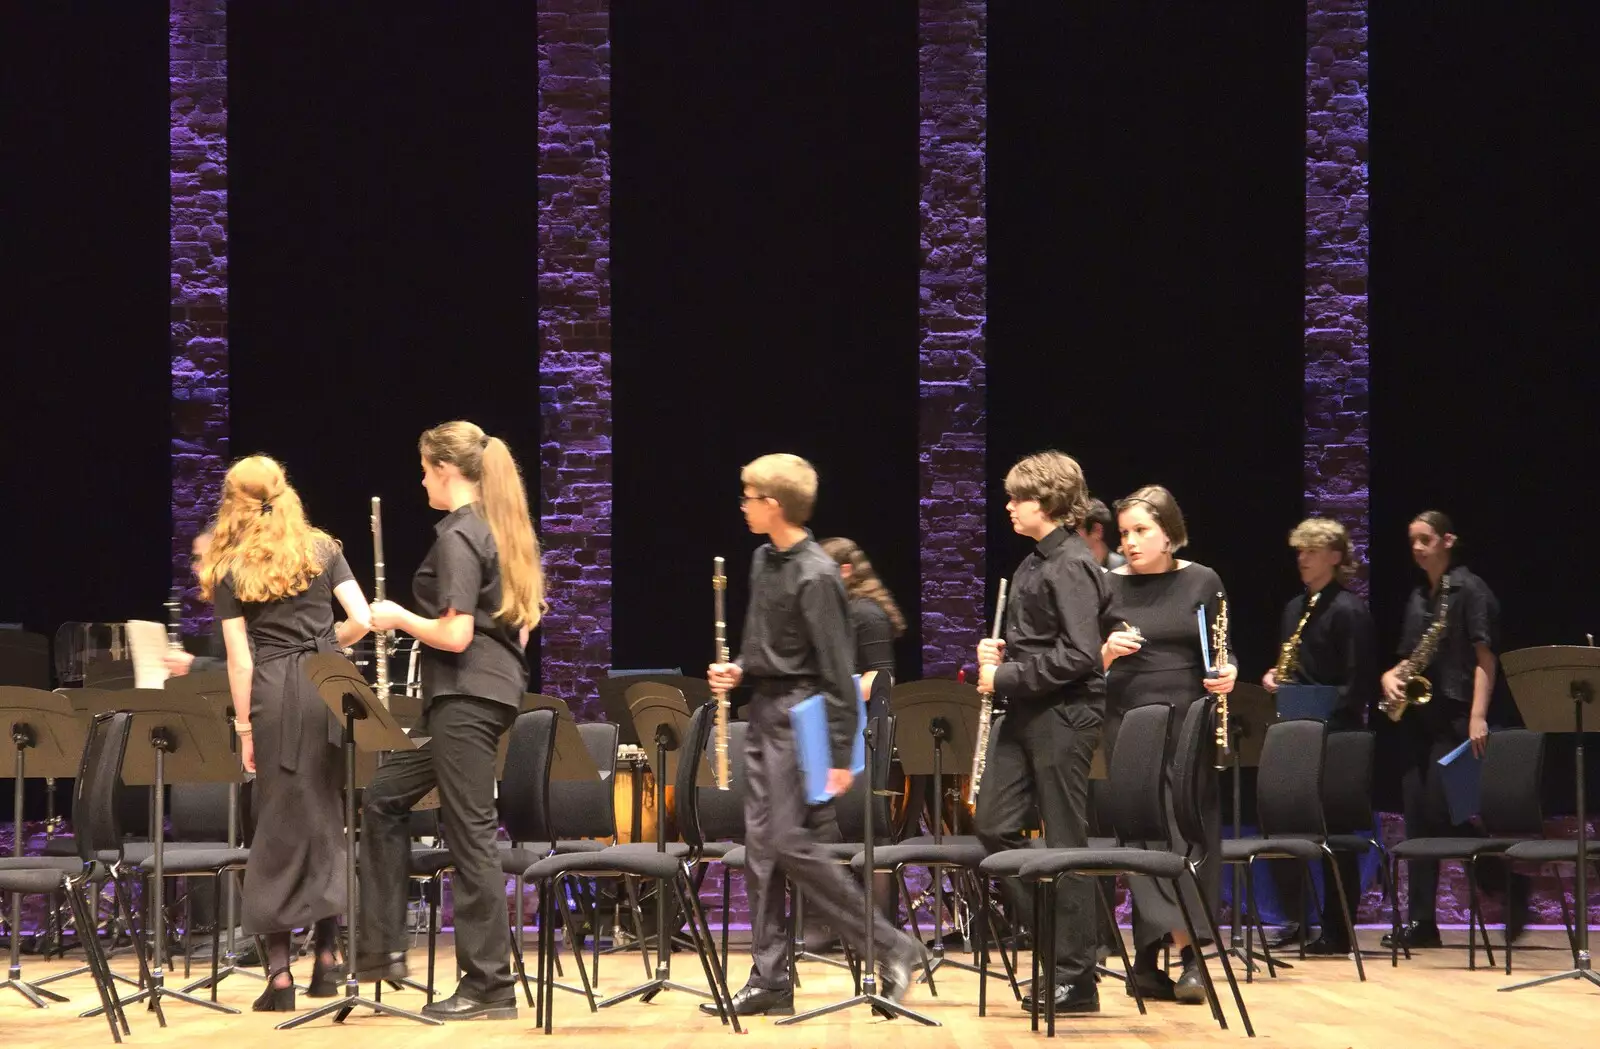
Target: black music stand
{"points": [[936, 724], [1544, 681], [614, 702], [188, 743], [886, 1007], [661, 713], [368, 726], [44, 723], [1251, 709]]}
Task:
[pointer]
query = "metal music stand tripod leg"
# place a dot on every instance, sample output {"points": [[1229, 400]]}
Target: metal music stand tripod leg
{"points": [[22, 736], [230, 955]]}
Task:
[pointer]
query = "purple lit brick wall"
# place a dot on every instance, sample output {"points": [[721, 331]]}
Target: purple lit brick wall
{"points": [[197, 63], [575, 345], [1337, 362], [952, 65]]}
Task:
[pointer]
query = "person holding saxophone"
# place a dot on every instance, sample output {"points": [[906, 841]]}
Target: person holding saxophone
{"points": [[1047, 669], [1326, 638]]}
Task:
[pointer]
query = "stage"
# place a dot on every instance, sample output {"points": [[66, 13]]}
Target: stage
{"points": [[1430, 1001]]}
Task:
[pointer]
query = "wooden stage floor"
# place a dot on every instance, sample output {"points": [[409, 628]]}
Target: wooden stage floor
{"points": [[1430, 1001]]}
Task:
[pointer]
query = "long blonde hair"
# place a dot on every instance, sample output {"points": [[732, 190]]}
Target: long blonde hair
{"points": [[503, 502], [864, 581], [262, 543]]}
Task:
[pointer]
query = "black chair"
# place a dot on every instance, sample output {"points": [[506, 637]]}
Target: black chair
{"points": [[95, 832], [1509, 787], [720, 814], [1347, 771], [1554, 853], [1289, 805]]}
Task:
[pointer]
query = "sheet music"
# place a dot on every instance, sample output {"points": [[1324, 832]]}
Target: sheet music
{"points": [[147, 642]]}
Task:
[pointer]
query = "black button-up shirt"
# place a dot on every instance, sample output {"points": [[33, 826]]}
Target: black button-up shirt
{"points": [[1472, 619], [462, 572], [1052, 625], [797, 635], [1337, 648]]}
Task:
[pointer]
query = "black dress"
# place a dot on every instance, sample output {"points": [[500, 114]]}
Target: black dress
{"points": [[296, 873], [1169, 668]]}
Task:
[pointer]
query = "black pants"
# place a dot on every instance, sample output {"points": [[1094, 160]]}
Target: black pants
{"points": [[1041, 757], [1432, 732], [459, 759]]}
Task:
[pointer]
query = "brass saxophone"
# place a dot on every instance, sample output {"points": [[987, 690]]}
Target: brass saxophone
{"points": [[719, 585], [1289, 653], [1219, 647], [1418, 689], [380, 638], [980, 754]]}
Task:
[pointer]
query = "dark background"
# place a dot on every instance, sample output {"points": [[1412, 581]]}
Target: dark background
{"points": [[1145, 188]]}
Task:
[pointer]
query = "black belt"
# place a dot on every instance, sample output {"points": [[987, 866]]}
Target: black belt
{"points": [[295, 687]]}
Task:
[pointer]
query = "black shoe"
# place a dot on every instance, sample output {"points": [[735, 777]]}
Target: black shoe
{"points": [[275, 999], [1190, 988], [894, 980], [1518, 890], [756, 1001], [1287, 936], [1070, 998], [375, 967], [1415, 934], [1153, 984], [460, 1007], [1327, 946]]}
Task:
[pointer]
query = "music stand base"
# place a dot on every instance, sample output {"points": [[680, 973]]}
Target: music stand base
{"points": [[222, 974], [810, 956], [32, 992], [888, 1008], [647, 991], [344, 1006], [1585, 973], [156, 993]]}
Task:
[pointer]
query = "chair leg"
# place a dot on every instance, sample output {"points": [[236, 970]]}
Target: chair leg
{"points": [[638, 924], [981, 935], [1110, 915], [1344, 909], [1227, 964], [434, 889], [1200, 956], [575, 941], [717, 977], [109, 1003]]}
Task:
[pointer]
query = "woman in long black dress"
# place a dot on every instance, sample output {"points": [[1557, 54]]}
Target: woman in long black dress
{"points": [[273, 578], [1163, 663]]}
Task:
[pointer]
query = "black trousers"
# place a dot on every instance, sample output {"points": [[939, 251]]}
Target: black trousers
{"points": [[464, 732], [1433, 731], [1041, 758]]}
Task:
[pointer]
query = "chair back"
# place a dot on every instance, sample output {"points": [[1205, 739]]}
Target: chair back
{"points": [[1508, 793], [1193, 756], [94, 812], [1136, 792], [847, 806], [686, 784], [588, 810], [525, 786], [199, 812], [1289, 782], [1347, 764], [721, 812]]}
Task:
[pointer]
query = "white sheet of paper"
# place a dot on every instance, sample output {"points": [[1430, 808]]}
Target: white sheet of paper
{"points": [[147, 642]]}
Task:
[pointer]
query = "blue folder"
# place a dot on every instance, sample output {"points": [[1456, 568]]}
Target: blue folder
{"points": [[809, 718], [1461, 773], [1307, 701]]}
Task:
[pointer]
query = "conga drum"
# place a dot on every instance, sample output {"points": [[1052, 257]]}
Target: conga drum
{"points": [[633, 793]]}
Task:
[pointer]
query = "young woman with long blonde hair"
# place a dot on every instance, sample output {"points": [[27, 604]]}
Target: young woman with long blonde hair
{"points": [[478, 593], [273, 576]]}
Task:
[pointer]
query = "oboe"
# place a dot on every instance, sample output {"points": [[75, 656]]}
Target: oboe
{"points": [[719, 586], [380, 638], [1219, 638], [175, 619], [980, 755]]}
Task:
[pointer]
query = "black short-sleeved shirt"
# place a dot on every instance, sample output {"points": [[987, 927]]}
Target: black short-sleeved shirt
{"points": [[462, 572], [874, 635], [1473, 618], [289, 621], [1336, 647]]}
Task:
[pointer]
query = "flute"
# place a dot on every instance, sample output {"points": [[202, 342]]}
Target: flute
{"points": [[719, 586], [380, 638], [980, 754]]}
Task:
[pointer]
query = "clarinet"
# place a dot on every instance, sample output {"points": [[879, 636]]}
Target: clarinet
{"points": [[980, 755], [719, 586], [1219, 638], [380, 638]]}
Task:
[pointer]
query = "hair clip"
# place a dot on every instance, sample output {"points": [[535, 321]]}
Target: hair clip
{"points": [[266, 507], [483, 442]]}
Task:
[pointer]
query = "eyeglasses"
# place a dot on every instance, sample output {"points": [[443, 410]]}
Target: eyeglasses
{"points": [[743, 499]]}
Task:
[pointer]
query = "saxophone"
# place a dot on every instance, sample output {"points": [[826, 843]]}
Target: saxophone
{"points": [[1289, 653], [380, 638], [980, 753], [719, 585], [1418, 689], [1219, 646]]}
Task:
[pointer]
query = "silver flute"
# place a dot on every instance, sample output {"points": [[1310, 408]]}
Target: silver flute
{"points": [[719, 586], [980, 754], [380, 638]]}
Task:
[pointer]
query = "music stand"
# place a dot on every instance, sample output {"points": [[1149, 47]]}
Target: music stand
{"points": [[869, 996], [1250, 710], [369, 727], [1543, 682], [936, 722], [661, 713], [42, 722], [614, 691]]}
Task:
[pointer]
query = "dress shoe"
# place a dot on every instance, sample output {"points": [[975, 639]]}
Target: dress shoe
{"points": [[1190, 988], [374, 967], [1326, 946], [1070, 998], [894, 979], [757, 1001], [460, 1007], [1415, 934], [1153, 984]]}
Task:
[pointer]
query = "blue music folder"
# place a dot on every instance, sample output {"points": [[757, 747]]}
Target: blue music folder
{"points": [[1307, 701], [809, 718], [1461, 773]]}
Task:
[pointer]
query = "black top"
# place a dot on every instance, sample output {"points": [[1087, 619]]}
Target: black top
{"points": [[797, 635], [1473, 618], [1169, 667], [874, 635], [1336, 646], [210, 652], [291, 621], [462, 572], [1052, 625]]}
